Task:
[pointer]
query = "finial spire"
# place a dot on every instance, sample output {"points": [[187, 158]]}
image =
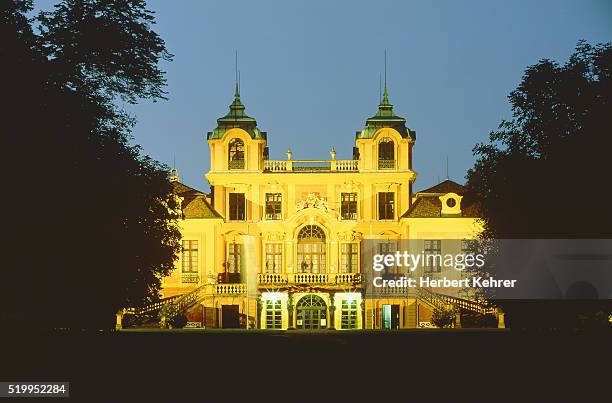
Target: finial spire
{"points": [[385, 68], [385, 94], [447, 177], [237, 92]]}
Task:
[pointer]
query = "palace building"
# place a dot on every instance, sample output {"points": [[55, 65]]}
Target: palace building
{"points": [[277, 243]]}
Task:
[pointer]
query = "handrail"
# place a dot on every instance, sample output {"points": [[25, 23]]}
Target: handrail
{"points": [[314, 165], [441, 301]]}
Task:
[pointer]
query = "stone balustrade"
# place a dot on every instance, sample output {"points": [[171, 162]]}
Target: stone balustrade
{"points": [[311, 165], [230, 289]]}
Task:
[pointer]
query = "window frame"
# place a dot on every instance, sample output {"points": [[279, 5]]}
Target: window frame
{"points": [[277, 254], [384, 163], [240, 162], [274, 314], [236, 213], [348, 203], [349, 314], [432, 250], [279, 213], [190, 251], [234, 257], [393, 209], [352, 254]]}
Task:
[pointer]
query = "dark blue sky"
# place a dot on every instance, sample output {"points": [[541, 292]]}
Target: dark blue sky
{"points": [[310, 72]]}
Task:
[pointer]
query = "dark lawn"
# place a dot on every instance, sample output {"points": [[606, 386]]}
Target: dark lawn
{"points": [[258, 366]]}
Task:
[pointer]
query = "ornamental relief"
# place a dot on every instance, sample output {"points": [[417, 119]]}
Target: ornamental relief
{"points": [[349, 236], [313, 201], [274, 236]]}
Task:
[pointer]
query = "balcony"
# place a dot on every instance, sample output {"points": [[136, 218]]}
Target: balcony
{"points": [[235, 164], [386, 164], [348, 278], [271, 278], [311, 165], [308, 278], [190, 277], [230, 289]]}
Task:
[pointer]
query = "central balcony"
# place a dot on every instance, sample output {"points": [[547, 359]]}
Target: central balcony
{"points": [[311, 165], [308, 278]]}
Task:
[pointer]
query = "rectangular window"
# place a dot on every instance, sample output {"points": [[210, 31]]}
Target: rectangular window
{"points": [[349, 258], [387, 248], [237, 207], [386, 209], [348, 206], [273, 206], [274, 257], [234, 262], [274, 315], [190, 256], [433, 256], [349, 314]]}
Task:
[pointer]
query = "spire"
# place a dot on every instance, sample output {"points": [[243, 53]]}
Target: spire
{"points": [[385, 108], [385, 116], [236, 117], [385, 100]]}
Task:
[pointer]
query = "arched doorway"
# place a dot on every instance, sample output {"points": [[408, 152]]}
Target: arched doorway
{"points": [[311, 313], [311, 250]]}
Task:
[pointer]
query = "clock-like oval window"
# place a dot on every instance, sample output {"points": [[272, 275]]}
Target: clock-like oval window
{"points": [[451, 202]]}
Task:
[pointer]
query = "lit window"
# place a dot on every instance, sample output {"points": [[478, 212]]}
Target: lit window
{"points": [[349, 314], [433, 256], [274, 257], [237, 207], [388, 248], [349, 258], [236, 154], [234, 262], [386, 154], [311, 250], [190, 256], [274, 318], [273, 206], [386, 210], [348, 206]]}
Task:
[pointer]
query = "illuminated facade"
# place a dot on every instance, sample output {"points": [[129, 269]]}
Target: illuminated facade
{"points": [[278, 241]]}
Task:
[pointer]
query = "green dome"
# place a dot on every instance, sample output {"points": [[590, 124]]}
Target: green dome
{"points": [[236, 118]]}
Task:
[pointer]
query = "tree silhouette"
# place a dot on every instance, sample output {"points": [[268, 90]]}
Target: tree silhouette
{"points": [[91, 222], [545, 173]]}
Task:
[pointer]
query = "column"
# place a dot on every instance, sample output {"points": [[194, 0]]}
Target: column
{"points": [[290, 316], [332, 310]]}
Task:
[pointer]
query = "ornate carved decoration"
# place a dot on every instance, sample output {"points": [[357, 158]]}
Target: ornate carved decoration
{"points": [[313, 201]]}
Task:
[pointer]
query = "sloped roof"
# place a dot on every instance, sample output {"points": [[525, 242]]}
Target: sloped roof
{"points": [[428, 204], [194, 204], [444, 187]]}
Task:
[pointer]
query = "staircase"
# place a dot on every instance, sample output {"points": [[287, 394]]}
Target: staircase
{"points": [[182, 302]]}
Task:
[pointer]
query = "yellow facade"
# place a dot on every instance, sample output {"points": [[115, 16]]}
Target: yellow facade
{"points": [[280, 242]]}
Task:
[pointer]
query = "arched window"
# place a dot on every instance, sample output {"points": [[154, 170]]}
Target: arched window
{"points": [[311, 312], [386, 154], [311, 250], [236, 154]]}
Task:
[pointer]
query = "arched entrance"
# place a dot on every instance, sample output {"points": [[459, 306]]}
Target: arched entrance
{"points": [[311, 250], [311, 313]]}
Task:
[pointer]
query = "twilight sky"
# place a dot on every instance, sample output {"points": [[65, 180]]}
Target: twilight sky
{"points": [[310, 72]]}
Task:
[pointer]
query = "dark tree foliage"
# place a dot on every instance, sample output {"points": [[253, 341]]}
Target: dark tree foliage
{"points": [[545, 173], [90, 221]]}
